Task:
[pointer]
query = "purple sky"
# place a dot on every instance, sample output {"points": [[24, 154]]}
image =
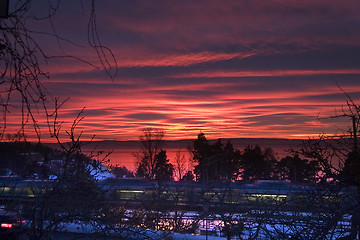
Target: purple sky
{"points": [[226, 68]]}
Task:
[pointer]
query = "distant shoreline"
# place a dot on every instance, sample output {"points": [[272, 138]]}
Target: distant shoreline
{"points": [[234, 141], [123, 151]]}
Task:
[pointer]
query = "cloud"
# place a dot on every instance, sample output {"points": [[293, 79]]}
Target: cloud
{"points": [[146, 116], [230, 69]]}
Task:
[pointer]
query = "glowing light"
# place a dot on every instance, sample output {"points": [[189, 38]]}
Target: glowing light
{"points": [[6, 225]]}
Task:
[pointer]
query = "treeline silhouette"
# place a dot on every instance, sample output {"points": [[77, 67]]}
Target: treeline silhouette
{"points": [[223, 162], [219, 162]]}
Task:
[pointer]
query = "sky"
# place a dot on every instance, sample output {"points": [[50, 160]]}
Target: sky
{"points": [[229, 69]]}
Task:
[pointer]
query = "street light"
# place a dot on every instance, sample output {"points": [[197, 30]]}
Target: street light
{"points": [[4, 8]]}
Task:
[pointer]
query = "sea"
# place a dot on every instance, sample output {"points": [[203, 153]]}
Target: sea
{"points": [[123, 153]]}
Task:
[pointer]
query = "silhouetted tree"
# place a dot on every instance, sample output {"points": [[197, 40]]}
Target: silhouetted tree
{"points": [[188, 177], [200, 152], [181, 165], [230, 168], [297, 170], [151, 145], [120, 172], [74, 195], [163, 169], [350, 174], [256, 164], [215, 162], [24, 159], [23, 95], [338, 157]]}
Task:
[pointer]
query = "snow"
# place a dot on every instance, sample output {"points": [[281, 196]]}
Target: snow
{"points": [[100, 172]]}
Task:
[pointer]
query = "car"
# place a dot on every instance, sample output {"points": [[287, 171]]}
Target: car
{"points": [[11, 226]]}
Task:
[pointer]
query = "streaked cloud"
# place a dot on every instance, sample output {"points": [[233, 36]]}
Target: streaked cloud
{"points": [[251, 68]]}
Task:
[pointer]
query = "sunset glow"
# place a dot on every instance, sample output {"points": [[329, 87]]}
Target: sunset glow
{"points": [[233, 69]]}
